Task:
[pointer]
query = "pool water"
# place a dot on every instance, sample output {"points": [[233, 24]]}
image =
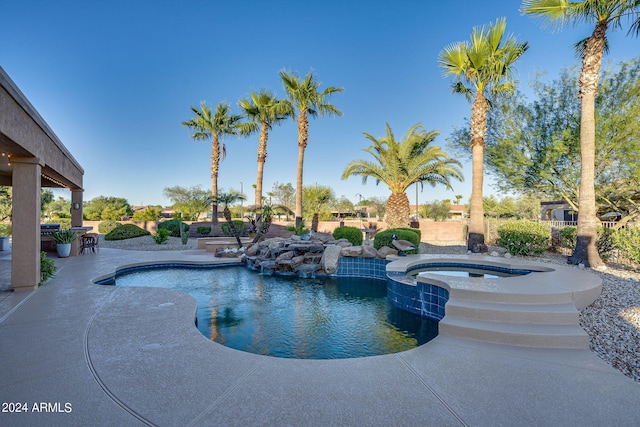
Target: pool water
{"points": [[468, 272], [286, 316]]}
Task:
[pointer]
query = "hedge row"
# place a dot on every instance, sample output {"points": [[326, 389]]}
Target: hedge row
{"points": [[532, 238]]}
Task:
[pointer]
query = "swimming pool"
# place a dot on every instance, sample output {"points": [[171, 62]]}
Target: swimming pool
{"points": [[286, 316]]}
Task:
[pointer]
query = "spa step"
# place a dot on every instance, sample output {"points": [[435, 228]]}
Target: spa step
{"points": [[516, 298], [521, 334], [561, 314]]}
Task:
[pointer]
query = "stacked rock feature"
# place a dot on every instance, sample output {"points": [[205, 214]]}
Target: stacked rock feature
{"points": [[320, 253]]}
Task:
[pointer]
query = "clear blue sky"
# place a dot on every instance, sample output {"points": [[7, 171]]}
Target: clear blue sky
{"points": [[115, 78]]}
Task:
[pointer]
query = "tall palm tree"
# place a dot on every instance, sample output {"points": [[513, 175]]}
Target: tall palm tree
{"points": [[227, 199], [262, 110], [400, 164], [605, 14], [483, 67], [305, 97], [215, 125]]}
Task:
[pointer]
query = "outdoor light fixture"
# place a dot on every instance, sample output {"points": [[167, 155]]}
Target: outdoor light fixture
{"points": [[76, 206]]}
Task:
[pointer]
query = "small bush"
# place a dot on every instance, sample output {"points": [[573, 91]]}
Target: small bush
{"points": [[352, 234], [237, 223], [524, 237], [126, 231], [161, 236], [413, 230], [105, 227], [47, 268], [627, 241], [173, 225], [383, 238], [568, 236], [299, 230], [605, 243], [203, 231]]}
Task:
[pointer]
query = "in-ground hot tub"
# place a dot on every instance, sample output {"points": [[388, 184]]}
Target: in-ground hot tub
{"points": [[537, 305]]}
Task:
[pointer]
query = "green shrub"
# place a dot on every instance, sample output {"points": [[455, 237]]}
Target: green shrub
{"points": [[299, 230], [161, 236], [413, 230], [627, 241], [352, 234], [126, 231], [47, 268], [568, 236], [605, 244], [237, 223], [383, 238], [524, 237], [203, 231], [105, 227], [173, 225]]}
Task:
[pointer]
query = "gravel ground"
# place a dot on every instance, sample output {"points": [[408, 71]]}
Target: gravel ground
{"points": [[146, 243], [612, 321]]}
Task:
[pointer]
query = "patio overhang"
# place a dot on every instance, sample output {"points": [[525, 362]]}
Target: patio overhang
{"points": [[31, 157]]}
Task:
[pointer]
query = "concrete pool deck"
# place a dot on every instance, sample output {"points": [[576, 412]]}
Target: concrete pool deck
{"points": [[100, 355]]}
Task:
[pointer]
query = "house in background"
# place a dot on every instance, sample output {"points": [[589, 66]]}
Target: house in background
{"points": [[558, 210]]}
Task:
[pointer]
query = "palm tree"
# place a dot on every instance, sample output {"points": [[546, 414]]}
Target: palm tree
{"points": [[605, 14], [262, 111], [227, 199], [317, 199], [400, 164], [215, 125], [305, 97], [483, 67]]}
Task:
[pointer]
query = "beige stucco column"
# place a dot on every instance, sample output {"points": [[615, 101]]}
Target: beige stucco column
{"points": [[25, 251], [76, 214]]}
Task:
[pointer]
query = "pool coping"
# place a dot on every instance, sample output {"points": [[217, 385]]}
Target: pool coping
{"points": [[129, 356]]}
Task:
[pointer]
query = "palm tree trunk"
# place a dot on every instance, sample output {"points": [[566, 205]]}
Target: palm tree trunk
{"points": [[215, 167], [303, 136], [232, 226], [397, 210], [475, 238], [262, 158], [586, 251]]}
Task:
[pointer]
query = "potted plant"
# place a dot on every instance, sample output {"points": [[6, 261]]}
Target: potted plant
{"points": [[5, 232], [63, 239]]}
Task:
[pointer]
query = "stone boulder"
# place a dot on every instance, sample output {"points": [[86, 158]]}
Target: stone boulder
{"points": [[385, 251], [330, 258], [351, 251], [285, 256], [369, 251], [344, 243], [253, 250]]}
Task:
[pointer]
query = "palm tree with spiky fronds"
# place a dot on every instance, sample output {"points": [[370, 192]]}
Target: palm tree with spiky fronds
{"points": [[400, 164], [226, 200], [606, 14], [483, 68], [215, 125], [262, 111], [308, 101]]}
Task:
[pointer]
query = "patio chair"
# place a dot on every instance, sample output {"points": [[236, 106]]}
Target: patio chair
{"points": [[89, 242]]}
